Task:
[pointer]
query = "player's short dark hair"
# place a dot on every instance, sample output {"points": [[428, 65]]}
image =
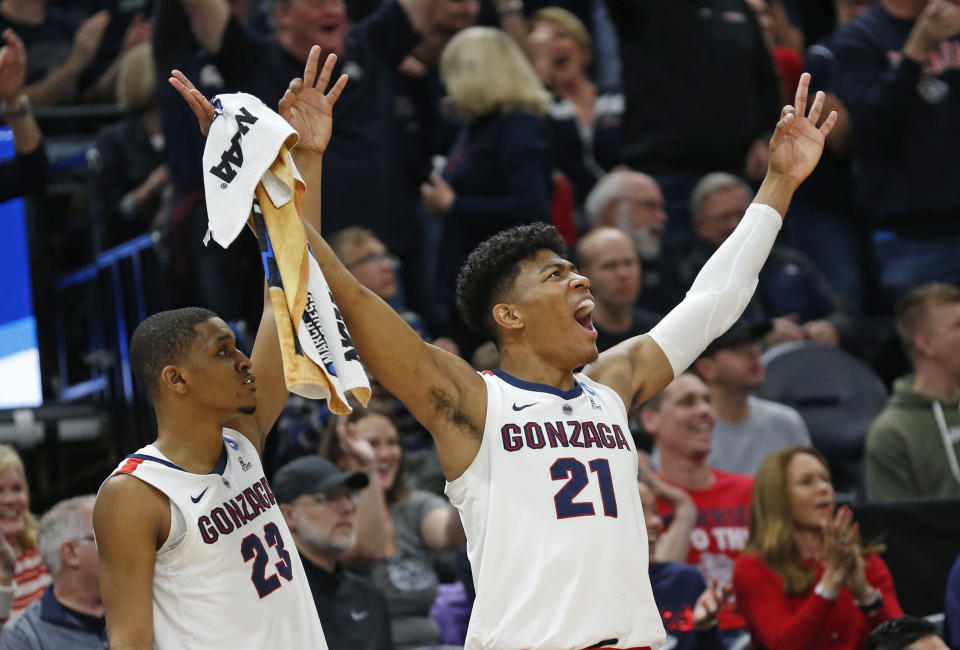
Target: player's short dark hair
{"points": [[160, 340], [492, 267], [898, 633]]}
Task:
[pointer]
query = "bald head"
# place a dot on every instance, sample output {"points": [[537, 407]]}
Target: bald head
{"points": [[609, 259], [631, 201]]}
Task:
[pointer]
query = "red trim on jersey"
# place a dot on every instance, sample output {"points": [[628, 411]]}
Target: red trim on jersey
{"points": [[129, 466], [487, 372]]}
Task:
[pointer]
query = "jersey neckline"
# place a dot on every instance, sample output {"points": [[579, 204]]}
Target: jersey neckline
{"points": [[573, 393], [219, 469]]}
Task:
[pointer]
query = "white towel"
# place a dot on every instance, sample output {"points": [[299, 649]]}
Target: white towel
{"points": [[320, 361]]}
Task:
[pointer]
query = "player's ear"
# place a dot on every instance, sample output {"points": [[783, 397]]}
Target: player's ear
{"points": [[507, 316], [172, 379]]}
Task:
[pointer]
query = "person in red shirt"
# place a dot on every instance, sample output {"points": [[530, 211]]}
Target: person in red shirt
{"points": [[805, 581], [681, 420]]}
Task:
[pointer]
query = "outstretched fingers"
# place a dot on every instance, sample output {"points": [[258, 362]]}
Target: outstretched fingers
{"points": [[202, 109], [334, 94], [817, 108], [829, 123], [327, 70], [310, 70], [800, 101]]}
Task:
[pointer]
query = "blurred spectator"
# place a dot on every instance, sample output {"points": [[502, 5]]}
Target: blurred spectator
{"points": [[375, 162], [748, 429], [951, 608], [806, 580], [129, 174], [681, 420], [60, 52], [584, 123], [27, 172], [912, 446], [825, 223], [896, 71], [498, 172], [906, 633], [633, 202], [693, 109], [23, 577], [791, 293], [688, 607], [421, 524], [319, 504], [70, 613], [609, 260], [373, 265], [787, 59]]}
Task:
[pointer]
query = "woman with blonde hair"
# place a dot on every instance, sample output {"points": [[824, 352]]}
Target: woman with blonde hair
{"points": [[497, 174], [584, 122], [806, 581], [23, 578]]}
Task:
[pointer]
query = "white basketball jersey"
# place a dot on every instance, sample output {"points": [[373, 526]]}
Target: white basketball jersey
{"points": [[230, 577], [555, 529]]}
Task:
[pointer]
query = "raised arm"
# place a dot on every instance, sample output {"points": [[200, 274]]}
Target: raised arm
{"points": [[131, 520], [640, 367]]}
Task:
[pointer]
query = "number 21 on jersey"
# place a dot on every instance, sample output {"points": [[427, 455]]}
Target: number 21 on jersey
{"points": [[575, 474]]}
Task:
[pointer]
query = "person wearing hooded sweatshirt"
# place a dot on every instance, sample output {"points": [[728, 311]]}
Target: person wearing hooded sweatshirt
{"points": [[914, 444]]}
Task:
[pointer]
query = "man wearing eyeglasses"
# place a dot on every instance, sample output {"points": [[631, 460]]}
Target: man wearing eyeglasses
{"points": [[319, 504], [70, 613]]}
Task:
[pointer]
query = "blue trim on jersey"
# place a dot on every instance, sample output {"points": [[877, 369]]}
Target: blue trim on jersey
{"points": [[219, 469], [573, 393]]}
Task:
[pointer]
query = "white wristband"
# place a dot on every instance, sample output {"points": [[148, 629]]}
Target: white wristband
{"points": [[823, 592], [721, 290], [6, 600]]}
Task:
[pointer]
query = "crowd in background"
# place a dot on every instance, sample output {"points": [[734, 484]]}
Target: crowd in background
{"points": [[639, 129]]}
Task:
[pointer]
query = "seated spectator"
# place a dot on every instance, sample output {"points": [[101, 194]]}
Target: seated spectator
{"points": [[632, 202], [681, 420], [896, 72], [27, 172], [806, 580], [791, 293], [23, 577], [498, 171], [688, 607], [609, 260], [319, 504], [907, 633], [61, 52], [70, 613], [951, 608], [584, 123], [373, 265], [129, 174], [748, 429], [912, 445], [422, 523]]}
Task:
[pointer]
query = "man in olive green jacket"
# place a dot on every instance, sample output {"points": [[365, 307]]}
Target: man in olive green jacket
{"points": [[914, 444]]}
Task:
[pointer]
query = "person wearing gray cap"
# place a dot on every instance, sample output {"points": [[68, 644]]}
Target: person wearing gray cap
{"points": [[748, 429], [319, 504]]}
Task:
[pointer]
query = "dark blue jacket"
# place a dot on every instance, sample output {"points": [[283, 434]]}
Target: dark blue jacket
{"points": [[905, 117], [676, 587], [951, 609]]}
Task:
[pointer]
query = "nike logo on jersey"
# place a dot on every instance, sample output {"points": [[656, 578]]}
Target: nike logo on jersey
{"points": [[520, 408], [359, 616], [197, 498]]}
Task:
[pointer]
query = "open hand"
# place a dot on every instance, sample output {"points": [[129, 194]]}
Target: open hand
{"points": [[797, 142], [202, 108], [13, 65], [307, 108], [137, 32], [709, 604], [86, 42], [359, 449]]}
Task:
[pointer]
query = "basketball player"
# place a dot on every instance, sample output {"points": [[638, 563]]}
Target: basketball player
{"points": [[194, 551], [539, 460]]}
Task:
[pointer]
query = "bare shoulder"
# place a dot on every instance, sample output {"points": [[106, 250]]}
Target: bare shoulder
{"points": [[129, 507], [637, 369]]}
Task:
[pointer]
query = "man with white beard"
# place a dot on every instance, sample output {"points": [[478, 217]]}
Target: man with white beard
{"points": [[633, 203], [319, 504]]}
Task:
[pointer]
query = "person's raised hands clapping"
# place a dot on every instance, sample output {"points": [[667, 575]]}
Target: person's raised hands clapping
{"points": [[13, 65]]}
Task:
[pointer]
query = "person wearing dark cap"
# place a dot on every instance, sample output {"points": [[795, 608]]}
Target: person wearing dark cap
{"points": [[318, 502], [748, 428]]}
